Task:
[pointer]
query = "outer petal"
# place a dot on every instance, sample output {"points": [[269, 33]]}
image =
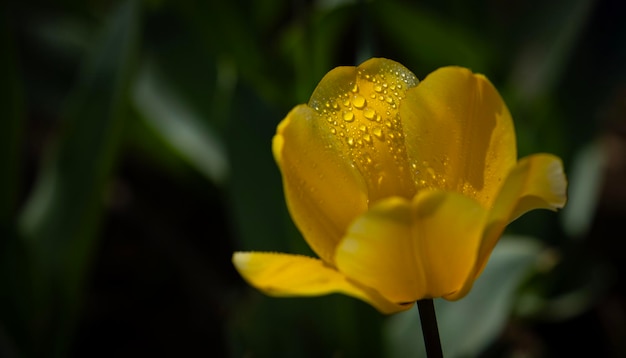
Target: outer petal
{"points": [[459, 134], [323, 191], [358, 108], [537, 182], [409, 250], [295, 275]]}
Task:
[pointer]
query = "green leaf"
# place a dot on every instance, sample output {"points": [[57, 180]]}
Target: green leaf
{"points": [[428, 41], [543, 60], [585, 184], [467, 326], [256, 198], [61, 217], [179, 124]]}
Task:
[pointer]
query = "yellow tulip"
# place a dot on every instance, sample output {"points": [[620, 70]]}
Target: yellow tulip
{"points": [[402, 188]]}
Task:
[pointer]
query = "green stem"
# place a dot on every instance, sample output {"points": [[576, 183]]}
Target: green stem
{"points": [[429, 328]]}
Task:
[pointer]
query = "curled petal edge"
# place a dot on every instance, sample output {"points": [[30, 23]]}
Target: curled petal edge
{"points": [[538, 181]]}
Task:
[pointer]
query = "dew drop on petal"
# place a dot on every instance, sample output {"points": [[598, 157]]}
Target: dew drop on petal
{"points": [[358, 101], [348, 116], [378, 132], [369, 113]]}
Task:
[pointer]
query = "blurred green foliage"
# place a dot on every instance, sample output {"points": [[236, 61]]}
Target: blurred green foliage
{"points": [[135, 147]]}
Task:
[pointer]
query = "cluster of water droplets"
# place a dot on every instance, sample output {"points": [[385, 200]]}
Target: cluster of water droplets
{"points": [[366, 122]]}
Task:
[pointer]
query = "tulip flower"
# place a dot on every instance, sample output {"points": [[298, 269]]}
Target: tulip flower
{"points": [[401, 188]]}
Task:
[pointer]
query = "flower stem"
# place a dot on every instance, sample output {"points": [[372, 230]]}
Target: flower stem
{"points": [[429, 328]]}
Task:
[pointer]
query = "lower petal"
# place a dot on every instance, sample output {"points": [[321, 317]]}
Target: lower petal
{"points": [[286, 275], [410, 250]]}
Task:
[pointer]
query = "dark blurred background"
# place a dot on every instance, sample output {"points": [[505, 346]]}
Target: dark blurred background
{"points": [[135, 156]]}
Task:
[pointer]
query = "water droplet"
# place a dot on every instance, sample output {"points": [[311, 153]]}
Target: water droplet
{"points": [[468, 189], [348, 116], [367, 138], [378, 88], [355, 88], [333, 131], [358, 101], [389, 99], [350, 141], [363, 128], [369, 113], [378, 132], [346, 103], [388, 124]]}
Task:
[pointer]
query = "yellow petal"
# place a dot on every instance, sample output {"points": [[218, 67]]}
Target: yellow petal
{"points": [[410, 250], [323, 191], [537, 182], [285, 275], [459, 134], [358, 109], [344, 150]]}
